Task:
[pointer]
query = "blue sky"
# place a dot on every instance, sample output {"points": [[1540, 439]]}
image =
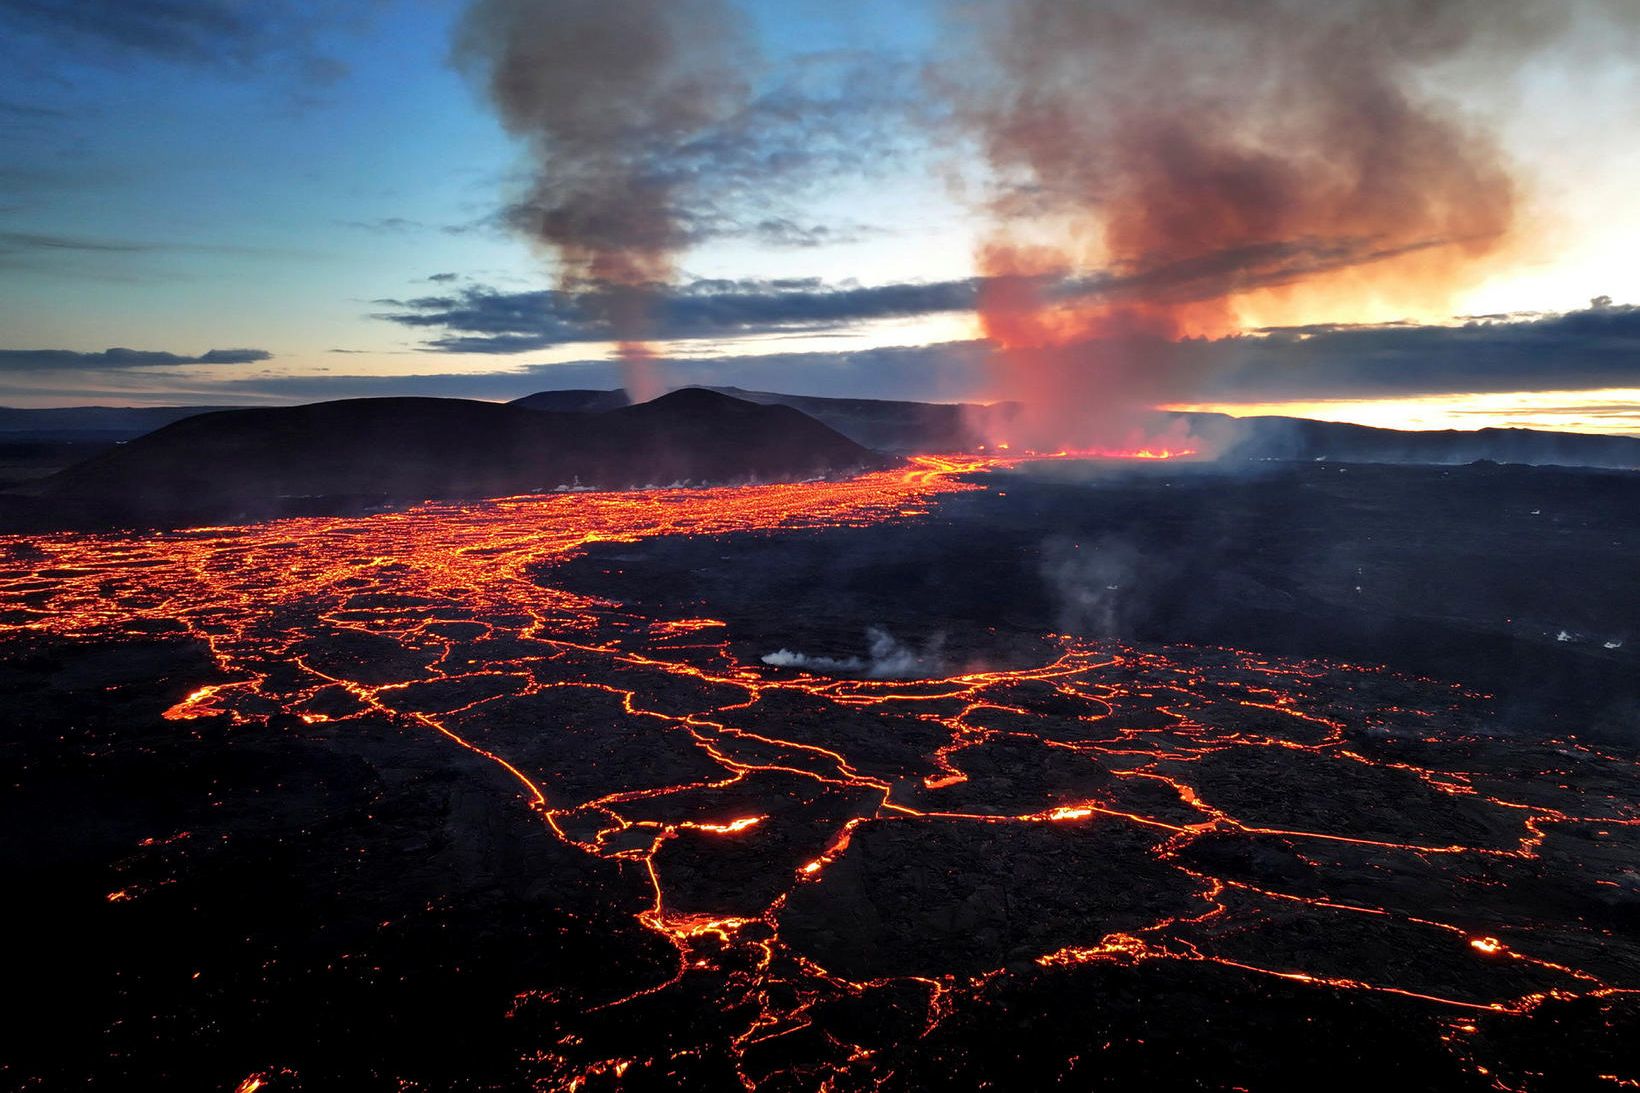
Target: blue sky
{"points": [[185, 175]]}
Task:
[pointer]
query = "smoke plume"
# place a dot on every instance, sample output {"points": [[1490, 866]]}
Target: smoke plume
{"points": [[888, 658], [608, 94], [1090, 586], [1224, 162]]}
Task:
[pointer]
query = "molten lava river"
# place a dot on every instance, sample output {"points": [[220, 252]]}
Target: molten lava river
{"points": [[1113, 862]]}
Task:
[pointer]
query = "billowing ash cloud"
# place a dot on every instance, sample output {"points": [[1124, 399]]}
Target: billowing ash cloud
{"points": [[608, 96], [1287, 149], [49, 360]]}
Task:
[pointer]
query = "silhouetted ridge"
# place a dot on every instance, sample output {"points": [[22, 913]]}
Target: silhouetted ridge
{"points": [[255, 463], [1304, 440], [91, 423], [881, 424], [574, 402], [888, 424], [895, 426]]}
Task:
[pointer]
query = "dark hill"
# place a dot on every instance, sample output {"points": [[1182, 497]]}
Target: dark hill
{"points": [[1304, 440], [883, 424], [84, 424], [329, 456], [38, 443], [892, 426], [574, 402]]}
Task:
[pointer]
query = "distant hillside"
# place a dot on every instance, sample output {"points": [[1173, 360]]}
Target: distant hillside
{"points": [[251, 464], [1303, 440], [37, 443], [105, 424], [890, 426], [577, 402], [882, 424], [897, 426]]}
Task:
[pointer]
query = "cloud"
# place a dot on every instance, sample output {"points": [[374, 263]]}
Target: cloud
{"points": [[782, 231], [59, 360], [483, 320], [1589, 350], [27, 242], [19, 243], [488, 224], [82, 257], [213, 33], [387, 225], [31, 112], [42, 183], [1592, 349], [1581, 350], [942, 372]]}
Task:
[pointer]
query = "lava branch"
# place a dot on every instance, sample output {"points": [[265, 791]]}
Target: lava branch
{"points": [[442, 584]]}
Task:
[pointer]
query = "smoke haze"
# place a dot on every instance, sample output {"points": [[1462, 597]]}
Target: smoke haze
{"points": [[1225, 161], [887, 658], [607, 94], [1160, 171]]}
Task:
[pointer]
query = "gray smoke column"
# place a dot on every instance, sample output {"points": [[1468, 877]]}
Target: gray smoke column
{"points": [[1220, 157], [609, 94]]}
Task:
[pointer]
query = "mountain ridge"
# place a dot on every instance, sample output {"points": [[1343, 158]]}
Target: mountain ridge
{"points": [[351, 453]]}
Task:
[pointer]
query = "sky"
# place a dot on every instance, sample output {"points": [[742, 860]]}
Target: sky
{"points": [[225, 202]]}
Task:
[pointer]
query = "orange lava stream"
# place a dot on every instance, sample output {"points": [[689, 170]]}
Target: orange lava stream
{"points": [[1145, 452], [459, 597], [1126, 453]]}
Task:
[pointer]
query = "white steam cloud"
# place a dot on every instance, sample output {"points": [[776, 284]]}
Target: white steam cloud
{"points": [[1090, 583], [886, 658]]}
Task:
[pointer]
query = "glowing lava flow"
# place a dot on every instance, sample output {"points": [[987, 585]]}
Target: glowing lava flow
{"points": [[1146, 453], [443, 620], [1126, 453]]}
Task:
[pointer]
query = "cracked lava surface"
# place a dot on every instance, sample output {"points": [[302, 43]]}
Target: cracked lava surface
{"points": [[856, 877]]}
